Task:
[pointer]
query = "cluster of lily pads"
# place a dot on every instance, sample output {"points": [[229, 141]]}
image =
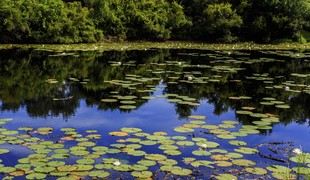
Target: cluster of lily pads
{"points": [[80, 154]]}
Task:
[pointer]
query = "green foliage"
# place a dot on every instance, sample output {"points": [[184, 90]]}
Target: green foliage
{"points": [[75, 21], [109, 16], [221, 20], [276, 19], [46, 22]]}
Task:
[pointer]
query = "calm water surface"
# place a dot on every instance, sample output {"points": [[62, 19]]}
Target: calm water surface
{"points": [[67, 90]]}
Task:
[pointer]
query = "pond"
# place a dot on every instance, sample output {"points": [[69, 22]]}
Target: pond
{"points": [[154, 114]]}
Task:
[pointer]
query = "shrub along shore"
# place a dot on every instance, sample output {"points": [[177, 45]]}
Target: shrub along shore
{"points": [[90, 21]]}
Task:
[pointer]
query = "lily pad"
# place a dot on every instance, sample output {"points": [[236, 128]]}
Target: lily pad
{"points": [[155, 157], [99, 174], [181, 171], [201, 153], [142, 174], [243, 162], [183, 129], [118, 133], [245, 150], [36, 176], [197, 116], [256, 170], [237, 143], [226, 177], [4, 150], [131, 130]]}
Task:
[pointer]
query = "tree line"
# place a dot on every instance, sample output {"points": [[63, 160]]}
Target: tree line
{"points": [[77, 21]]}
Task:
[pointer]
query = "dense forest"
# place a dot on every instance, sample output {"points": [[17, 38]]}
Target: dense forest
{"points": [[70, 21]]}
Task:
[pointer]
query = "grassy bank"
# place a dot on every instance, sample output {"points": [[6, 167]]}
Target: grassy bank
{"points": [[148, 45]]}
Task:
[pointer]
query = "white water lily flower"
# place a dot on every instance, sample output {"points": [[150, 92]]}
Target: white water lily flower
{"points": [[204, 146], [297, 151], [117, 163]]}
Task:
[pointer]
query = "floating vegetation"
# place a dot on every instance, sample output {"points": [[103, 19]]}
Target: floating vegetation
{"points": [[255, 92]]}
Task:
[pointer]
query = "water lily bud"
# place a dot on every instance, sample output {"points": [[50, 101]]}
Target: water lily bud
{"points": [[117, 163]]}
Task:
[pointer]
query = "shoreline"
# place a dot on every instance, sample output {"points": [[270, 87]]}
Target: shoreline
{"points": [[144, 45]]}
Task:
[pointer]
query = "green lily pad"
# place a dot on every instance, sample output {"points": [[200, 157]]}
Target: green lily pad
{"points": [[61, 151], [60, 156], [7, 169], [3, 150], [155, 157], [202, 163], [181, 171], [185, 143], [179, 138], [57, 173], [256, 170], [234, 155], [278, 169], [226, 126], [156, 137], [131, 130], [147, 162], [66, 168], [226, 136], [142, 174], [169, 162], [137, 153], [87, 144], [283, 106], [225, 177], [141, 134], [113, 151], [6, 119], [244, 112], [200, 117], [85, 161], [44, 169], [168, 147], [23, 166], [243, 162], [9, 132], [249, 131], [237, 143], [100, 148], [109, 100], [201, 153], [127, 107], [183, 129], [36, 176], [139, 167], [172, 152], [283, 175], [223, 163], [148, 142], [166, 168], [220, 157], [56, 163], [99, 174], [84, 167], [245, 150], [222, 151]]}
